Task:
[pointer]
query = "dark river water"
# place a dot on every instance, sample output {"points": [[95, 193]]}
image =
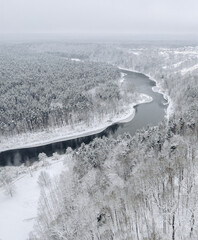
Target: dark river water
{"points": [[146, 114]]}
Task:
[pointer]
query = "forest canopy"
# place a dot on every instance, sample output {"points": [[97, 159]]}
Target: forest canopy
{"points": [[41, 89]]}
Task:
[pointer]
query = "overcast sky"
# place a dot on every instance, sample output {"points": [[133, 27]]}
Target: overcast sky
{"points": [[99, 16]]}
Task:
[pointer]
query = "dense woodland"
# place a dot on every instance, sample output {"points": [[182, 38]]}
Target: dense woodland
{"points": [[140, 187], [41, 90]]}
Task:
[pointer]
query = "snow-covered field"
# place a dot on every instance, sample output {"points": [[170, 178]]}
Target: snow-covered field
{"points": [[18, 213]]}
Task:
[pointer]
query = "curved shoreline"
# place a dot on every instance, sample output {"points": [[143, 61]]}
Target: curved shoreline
{"points": [[128, 116], [157, 88]]}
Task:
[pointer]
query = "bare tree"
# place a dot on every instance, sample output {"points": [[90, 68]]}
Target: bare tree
{"points": [[8, 184]]}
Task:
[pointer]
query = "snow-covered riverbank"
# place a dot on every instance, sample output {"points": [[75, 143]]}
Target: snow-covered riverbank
{"points": [[67, 132], [158, 88]]}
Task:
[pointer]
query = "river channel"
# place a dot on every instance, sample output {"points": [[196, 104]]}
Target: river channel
{"points": [[147, 114]]}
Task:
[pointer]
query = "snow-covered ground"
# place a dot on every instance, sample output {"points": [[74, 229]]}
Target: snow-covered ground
{"points": [[67, 132], [18, 213], [76, 59], [177, 64], [122, 77], [190, 69]]}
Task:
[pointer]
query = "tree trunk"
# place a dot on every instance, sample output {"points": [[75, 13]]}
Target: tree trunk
{"points": [[173, 227]]}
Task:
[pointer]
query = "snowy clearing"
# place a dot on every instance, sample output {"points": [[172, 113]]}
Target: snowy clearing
{"points": [[18, 213]]}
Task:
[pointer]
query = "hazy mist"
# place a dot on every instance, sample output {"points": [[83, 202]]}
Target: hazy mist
{"points": [[98, 17]]}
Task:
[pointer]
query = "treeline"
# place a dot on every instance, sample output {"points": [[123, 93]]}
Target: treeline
{"points": [[141, 187], [41, 90]]}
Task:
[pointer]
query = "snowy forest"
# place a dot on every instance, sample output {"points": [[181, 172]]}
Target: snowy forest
{"points": [[141, 187], [43, 90]]}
